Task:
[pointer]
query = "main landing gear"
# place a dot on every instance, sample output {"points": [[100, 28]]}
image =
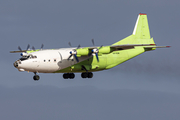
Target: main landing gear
{"points": [[83, 75], [68, 75], [87, 75], [36, 77]]}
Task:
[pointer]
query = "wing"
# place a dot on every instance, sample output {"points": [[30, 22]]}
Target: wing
{"points": [[18, 51], [130, 46]]}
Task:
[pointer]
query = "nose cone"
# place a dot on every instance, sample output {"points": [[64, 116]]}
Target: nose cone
{"points": [[15, 64]]}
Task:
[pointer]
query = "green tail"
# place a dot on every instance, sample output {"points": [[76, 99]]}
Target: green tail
{"points": [[141, 34]]}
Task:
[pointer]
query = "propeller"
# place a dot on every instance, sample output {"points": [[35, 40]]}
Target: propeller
{"points": [[95, 50], [74, 53], [19, 48], [25, 51], [33, 48]]}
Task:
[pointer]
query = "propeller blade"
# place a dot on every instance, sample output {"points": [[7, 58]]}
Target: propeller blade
{"points": [[97, 57], [28, 47], [76, 58], [69, 44], [69, 56], [78, 46], [42, 46], [19, 48], [101, 46], [92, 41], [33, 48]]}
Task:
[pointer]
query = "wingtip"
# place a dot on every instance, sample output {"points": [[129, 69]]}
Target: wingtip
{"points": [[168, 46]]}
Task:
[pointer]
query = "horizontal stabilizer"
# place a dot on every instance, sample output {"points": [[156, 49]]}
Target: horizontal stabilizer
{"points": [[157, 46], [130, 46]]}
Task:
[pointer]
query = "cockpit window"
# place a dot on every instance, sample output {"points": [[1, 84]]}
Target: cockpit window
{"points": [[28, 57], [24, 58]]}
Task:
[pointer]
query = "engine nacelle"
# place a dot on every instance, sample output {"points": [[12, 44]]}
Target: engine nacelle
{"points": [[105, 50], [86, 51], [82, 52]]}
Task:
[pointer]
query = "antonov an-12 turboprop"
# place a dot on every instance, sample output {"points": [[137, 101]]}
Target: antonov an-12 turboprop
{"points": [[86, 60]]}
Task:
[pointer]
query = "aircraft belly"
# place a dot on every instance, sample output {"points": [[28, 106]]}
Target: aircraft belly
{"points": [[135, 52], [119, 57], [115, 58]]}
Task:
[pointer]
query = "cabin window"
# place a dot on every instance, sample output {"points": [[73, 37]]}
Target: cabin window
{"points": [[54, 60], [49, 60], [44, 60]]}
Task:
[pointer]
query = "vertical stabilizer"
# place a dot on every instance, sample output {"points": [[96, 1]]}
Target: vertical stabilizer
{"points": [[140, 35], [141, 29]]}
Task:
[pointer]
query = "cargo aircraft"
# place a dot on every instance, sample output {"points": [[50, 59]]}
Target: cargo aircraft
{"points": [[86, 60]]}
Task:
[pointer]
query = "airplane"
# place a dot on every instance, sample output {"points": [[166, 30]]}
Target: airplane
{"points": [[86, 60]]}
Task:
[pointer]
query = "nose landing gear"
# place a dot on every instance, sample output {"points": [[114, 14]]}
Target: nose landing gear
{"points": [[36, 77]]}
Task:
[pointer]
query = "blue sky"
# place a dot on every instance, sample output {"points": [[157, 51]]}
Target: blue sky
{"points": [[146, 87]]}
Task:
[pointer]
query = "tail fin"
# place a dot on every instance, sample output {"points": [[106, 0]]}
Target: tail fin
{"points": [[141, 29], [141, 34]]}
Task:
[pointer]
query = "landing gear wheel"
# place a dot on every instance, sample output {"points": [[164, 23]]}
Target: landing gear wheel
{"points": [[71, 75], [84, 75], [65, 76], [68, 75], [36, 77], [87, 75], [90, 75]]}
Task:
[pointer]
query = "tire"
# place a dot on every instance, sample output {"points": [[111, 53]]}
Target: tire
{"points": [[90, 75], [36, 77], [71, 75], [65, 76], [84, 75]]}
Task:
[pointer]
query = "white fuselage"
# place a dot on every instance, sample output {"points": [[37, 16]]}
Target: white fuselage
{"points": [[48, 61]]}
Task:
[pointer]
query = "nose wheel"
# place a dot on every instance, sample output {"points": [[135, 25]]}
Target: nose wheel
{"points": [[36, 77]]}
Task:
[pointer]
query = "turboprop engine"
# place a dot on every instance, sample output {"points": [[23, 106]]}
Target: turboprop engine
{"points": [[89, 51]]}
